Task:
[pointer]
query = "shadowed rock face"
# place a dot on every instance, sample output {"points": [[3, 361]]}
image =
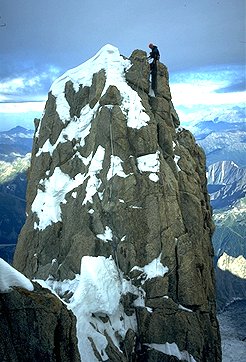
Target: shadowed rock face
{"points": [[153, 208], [36, 326]]}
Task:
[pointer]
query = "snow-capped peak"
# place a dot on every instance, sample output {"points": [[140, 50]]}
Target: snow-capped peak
{"points": [[114, 65], [83, 73]]}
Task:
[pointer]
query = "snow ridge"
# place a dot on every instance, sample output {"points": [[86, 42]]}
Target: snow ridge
{"points": [[83, 74], [10, 277]]}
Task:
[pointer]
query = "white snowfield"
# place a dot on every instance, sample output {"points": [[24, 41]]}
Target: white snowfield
{"points": [[10, 277]]}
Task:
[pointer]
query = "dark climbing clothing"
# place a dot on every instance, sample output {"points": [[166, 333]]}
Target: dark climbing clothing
{"points": [[155, 55], [153, 71]]}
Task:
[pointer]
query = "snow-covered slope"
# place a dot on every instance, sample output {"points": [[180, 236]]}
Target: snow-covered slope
{"points": [[10, 277]]}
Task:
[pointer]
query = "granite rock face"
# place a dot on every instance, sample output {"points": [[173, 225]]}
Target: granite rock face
{"points": [[113, 173], [36, 326]]}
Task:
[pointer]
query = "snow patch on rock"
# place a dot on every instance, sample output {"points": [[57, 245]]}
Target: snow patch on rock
{"points": [[171, 349], [152, 270]]}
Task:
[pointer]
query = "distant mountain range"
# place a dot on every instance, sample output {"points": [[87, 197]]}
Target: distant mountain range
{"points": [[15, 148], [15, 143], [205, 128], [224, 142]]}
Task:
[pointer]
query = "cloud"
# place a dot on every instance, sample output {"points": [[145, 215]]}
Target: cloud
{"points": [[205, 86], [20, 114], [28, 86], [198, 94], [23, 107]]}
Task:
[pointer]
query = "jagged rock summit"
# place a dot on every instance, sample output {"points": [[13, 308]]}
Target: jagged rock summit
{"points": [[119, 221]]}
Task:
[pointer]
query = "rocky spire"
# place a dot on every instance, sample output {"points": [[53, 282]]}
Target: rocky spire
{"points": [[116, 183]]}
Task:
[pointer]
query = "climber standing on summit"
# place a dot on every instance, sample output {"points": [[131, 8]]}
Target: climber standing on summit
{"points": [[155, 55]]}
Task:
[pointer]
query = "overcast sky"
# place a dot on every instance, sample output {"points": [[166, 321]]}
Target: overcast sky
{"points": [[42, 39]]}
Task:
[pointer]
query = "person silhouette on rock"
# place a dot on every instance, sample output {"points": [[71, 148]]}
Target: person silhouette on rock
{"points": [[155, 55]]}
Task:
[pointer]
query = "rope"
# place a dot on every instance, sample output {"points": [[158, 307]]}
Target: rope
{"points": [[112, 150], [111, 133]]}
